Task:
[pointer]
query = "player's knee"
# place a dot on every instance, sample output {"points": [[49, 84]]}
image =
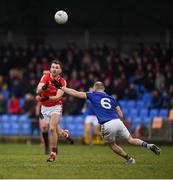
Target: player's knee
{"points": [[60, 133], [130, 139], [52, 129], [112, 146], [44, 128]]}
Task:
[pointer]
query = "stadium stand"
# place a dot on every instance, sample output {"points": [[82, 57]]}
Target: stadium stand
{"points": [[143, 102]]}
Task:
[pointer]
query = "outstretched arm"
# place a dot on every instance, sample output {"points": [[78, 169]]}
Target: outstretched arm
{"points": [[51, 98], [59, 94], [74, 93]]}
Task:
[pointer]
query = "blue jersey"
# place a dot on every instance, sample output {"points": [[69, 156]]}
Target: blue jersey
{"points": [[104, 106], [90, 109]]}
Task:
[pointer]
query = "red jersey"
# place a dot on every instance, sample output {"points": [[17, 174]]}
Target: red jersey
{"points": [[51, 90]]}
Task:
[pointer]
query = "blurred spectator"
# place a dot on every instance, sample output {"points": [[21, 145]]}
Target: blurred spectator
{"points": [[119, 86], [45, 65], [14, 105], [148, 67], [156, 100], [72, 106], [91, 125], [3, 87], [30, 109], [17, 88], [149, 81], [165, 99], [159, 81], [31, 86], [131, 92], [3, 105], [171, 97]]}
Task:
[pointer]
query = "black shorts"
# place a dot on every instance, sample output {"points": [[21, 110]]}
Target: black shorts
{"points": [[41, 116]]}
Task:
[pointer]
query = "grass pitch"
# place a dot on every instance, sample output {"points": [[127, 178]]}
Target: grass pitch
{"points": [[78, 161]]}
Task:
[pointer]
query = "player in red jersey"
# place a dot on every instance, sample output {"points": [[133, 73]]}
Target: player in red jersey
{"points": [[44, 127], [51, 103]]}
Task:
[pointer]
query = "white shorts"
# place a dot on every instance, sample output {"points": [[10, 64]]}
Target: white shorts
{"points": [[114, 129], [48, 111], [92, 119]]}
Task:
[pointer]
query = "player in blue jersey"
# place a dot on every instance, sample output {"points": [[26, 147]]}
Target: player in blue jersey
{"points": [[108, 113]]}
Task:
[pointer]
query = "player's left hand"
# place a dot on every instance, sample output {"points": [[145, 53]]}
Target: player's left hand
{"points": [[45, 86], [56, 84], [44, 98]]}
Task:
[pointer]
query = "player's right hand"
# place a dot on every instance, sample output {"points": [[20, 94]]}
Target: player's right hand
{"points": [[45, 86]]}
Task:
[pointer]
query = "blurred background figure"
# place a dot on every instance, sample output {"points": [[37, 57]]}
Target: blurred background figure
{"points": [[14, 105], [92, 133], [30, 110], [131, 92], [3, 104]]}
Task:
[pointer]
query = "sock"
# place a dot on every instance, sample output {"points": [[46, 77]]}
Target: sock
{"points": [[145, 144], [46, 139], [54, 149], [127, 157], [67, 136]]}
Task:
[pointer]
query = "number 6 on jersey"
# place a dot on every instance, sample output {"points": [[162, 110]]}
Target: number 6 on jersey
{"points": [[105, 103]]}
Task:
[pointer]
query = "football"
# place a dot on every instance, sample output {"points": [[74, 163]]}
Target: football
{"points": [[61, 17]]}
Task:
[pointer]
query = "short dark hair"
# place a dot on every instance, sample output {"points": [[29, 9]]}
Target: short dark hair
{"points": [[99, 85], [56, 61]]}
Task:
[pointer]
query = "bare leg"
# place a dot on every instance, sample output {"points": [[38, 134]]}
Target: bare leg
{"points": [[60, 131], [118, 150], [136, 141], [53, 129], [88, 126], [53, 136], [139, 142], [97, 130], [44, 134]]}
